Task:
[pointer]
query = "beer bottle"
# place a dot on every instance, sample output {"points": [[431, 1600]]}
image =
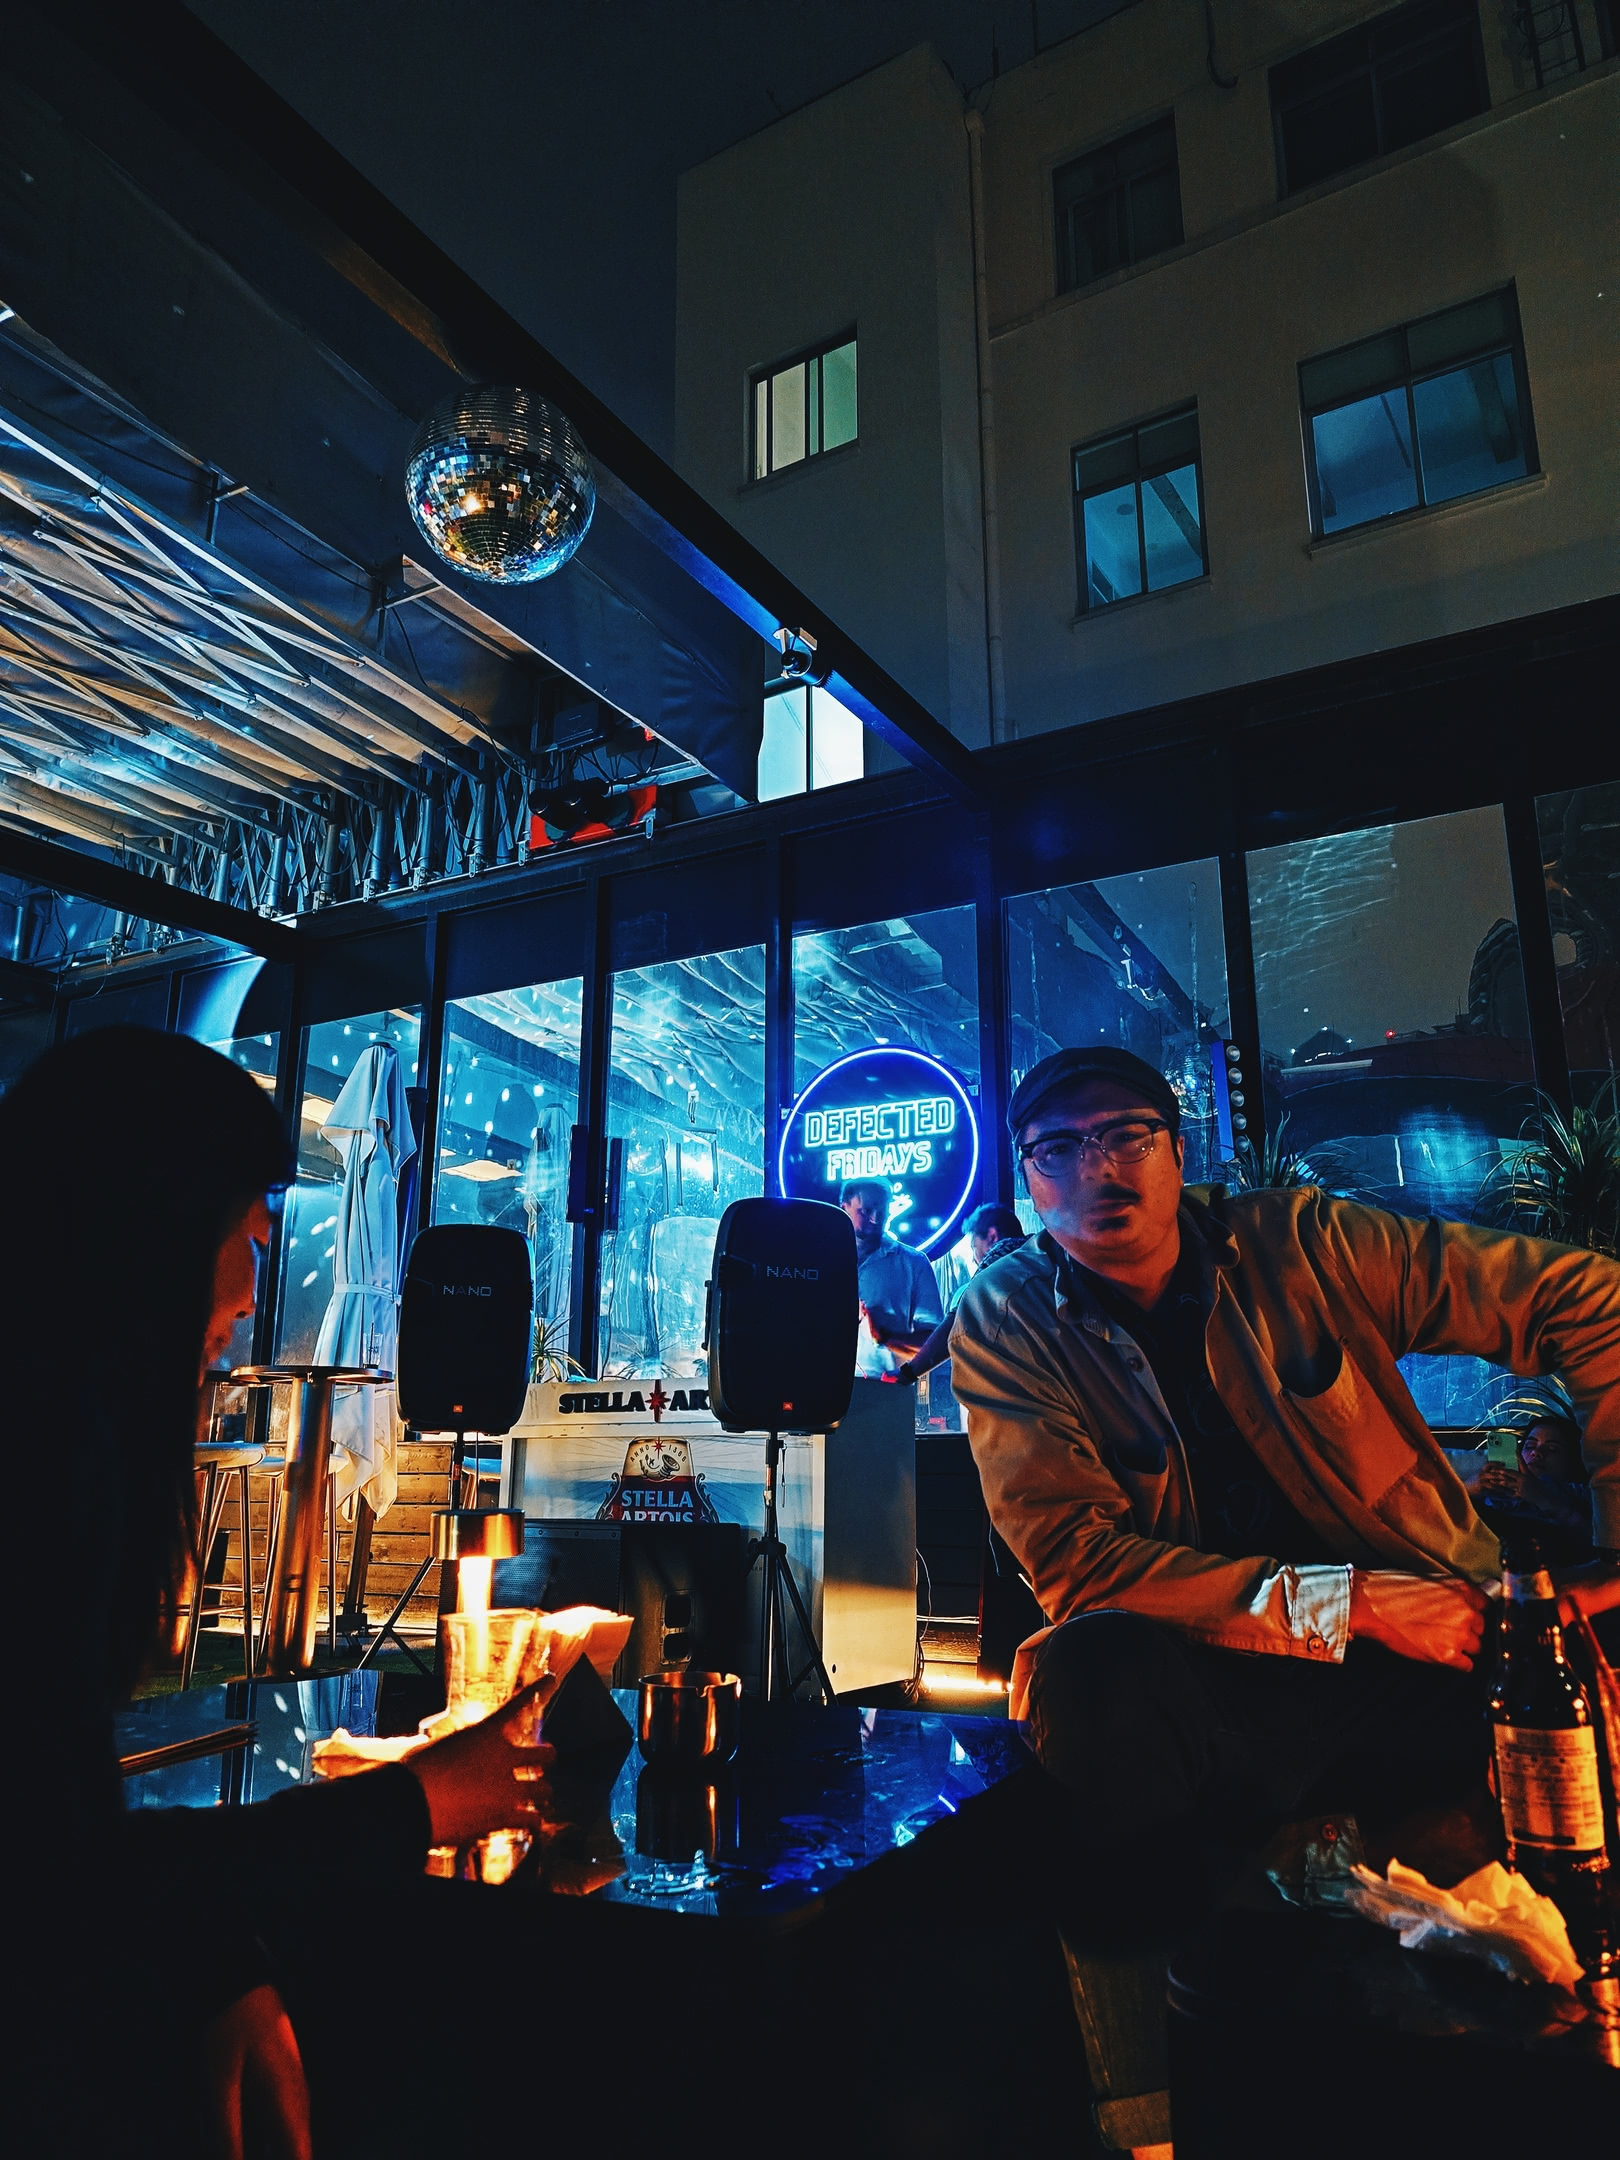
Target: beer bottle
{"points": [[1545, 1751]]}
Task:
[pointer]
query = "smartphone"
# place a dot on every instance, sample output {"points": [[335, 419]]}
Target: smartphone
{"points": [[1502, 1447]]}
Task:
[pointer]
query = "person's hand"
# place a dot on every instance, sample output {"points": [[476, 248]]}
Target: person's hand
{"points": [[480, 1779], [1498, 1478], [1417, 1616], [255, 2100]]}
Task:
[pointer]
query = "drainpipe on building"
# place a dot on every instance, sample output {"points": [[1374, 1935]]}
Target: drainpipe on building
{"points": [[987, 439]]}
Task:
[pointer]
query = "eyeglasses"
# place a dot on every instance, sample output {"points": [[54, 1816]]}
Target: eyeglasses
{"points": [[1060, 1154]]}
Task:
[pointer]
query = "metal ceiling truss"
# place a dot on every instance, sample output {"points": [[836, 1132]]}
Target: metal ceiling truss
{"points": [[158, 703]]}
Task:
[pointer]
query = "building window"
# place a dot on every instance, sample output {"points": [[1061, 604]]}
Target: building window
{"points": [[1432, 410], [809, 741], [805, 409], [1138, 510], [1117, 205], [1387, 83]]}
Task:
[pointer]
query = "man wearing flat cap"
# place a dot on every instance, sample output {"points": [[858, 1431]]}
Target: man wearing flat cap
{"points": [[1261, 1570]]}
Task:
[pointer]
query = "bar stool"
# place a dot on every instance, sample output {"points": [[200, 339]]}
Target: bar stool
{"points": [[217, 1462], [293, 1567]]}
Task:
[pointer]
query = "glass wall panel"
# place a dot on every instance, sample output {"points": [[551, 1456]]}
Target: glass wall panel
{"points": [[1138, 962], [257, 1054], [1393, 1026], [686, 1137], [1580, 845], [911, 982], [507, 1107], [334, 1053]]}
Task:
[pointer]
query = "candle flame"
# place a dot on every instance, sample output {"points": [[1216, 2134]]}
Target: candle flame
{"points": [[475, 1581]]}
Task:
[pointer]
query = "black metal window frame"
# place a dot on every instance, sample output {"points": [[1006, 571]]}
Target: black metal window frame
{"points": [[1403, 379], [762, 409], [1141, 473], [1381, 50], [1113, 189], [1441, 729]]}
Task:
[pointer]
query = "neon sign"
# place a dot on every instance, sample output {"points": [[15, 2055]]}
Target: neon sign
{"points": [[891, 1114]]}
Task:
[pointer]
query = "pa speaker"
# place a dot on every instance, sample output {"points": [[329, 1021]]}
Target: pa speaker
{"points": [[784, 1309], [464, 1329]]}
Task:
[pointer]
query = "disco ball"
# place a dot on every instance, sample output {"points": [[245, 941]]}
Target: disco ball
{"points": [[499, 484]]}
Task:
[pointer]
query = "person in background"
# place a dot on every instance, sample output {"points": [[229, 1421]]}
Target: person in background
{"points": [[1550, 1486], [900, 1299], [141, 1170], [1261, 1570], [992, 1230]]}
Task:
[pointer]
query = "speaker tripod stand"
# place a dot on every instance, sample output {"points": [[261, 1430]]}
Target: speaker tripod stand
{"points": [[777, 1592]]}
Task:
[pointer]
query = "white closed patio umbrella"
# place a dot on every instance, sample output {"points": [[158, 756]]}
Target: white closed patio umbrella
{"points": [[370, 1127]]}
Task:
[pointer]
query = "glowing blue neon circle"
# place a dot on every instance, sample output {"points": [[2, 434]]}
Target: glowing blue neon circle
{"points": [[889, 1055]]}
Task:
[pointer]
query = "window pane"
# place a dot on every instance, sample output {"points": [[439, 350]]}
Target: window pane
{"points": [[509, 1102], [1460, 332], [1468, 429], [781, 748], [787, 417], [257, 1054], [1099, 463], [1094, 238], [686, 1108], [379, 1055], [1392, 1022], [1155, 213], [1433, 89], [1371, 365], [1171, 529], [838, 417], [838, 743], [1169, 442], [1137, 962], [1364, 463], [761, 429], [1330, 133], [1113, 556], [812, 370], [911, 982], [1580, 844]]}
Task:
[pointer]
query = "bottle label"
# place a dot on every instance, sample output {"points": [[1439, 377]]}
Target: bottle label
{"points": [[1548, 1786], [1529, 1589]]}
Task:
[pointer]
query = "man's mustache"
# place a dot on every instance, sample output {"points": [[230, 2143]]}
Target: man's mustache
{"points": [[1114, 1193]]}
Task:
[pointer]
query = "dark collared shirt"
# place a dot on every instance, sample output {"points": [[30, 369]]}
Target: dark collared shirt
{"points": [[1242, 1510]]}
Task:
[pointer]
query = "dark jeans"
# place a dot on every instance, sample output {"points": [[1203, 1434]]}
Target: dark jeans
{"points": [[1144, 1729]]}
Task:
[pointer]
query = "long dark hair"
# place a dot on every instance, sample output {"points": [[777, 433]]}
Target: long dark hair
{"points": [[124, 1155]]}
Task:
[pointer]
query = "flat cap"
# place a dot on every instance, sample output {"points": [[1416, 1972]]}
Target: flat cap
{"points": [[1065, 1068]]}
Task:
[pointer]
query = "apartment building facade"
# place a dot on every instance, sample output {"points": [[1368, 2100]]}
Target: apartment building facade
{"points": [[1172, 362]]}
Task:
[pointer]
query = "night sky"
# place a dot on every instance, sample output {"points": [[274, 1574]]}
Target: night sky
{"points": [[539, 141]]}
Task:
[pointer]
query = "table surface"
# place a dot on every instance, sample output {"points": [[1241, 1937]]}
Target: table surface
{"points": [[813, 1796]]}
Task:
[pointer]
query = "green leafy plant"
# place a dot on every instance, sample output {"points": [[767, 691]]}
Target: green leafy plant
{"points": [[1542, 1399], [1562, 1180], [1276, 1167], [549, 1358]]}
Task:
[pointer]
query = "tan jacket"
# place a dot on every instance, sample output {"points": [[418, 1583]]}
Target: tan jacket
{"points": [[1313, 1300]]}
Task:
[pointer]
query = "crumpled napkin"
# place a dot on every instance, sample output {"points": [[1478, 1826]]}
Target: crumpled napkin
{"points": [[579, 1631], [1491, 1914]]}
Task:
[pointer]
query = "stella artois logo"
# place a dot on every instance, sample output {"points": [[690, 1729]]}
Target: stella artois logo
{"points": [[657, 1483]]}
